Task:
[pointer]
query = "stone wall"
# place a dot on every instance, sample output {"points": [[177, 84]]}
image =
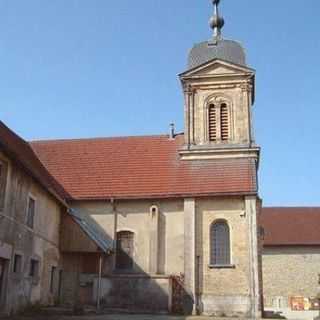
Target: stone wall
{"points": [[40, 243], [227, 291], [135, 292], [183, 247], [218, 82], [135, 216], [288, 272]]}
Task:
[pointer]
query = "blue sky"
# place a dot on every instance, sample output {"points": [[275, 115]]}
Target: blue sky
{"points": [[86, 68]]}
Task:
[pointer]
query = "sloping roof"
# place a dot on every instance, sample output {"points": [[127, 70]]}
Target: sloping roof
{"points": [[140, 167], [20, 151], [92, 229], [285, 226]]}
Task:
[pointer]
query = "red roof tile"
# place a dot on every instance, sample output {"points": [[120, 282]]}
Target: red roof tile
{"points": [[291, 226], [20, 151], [140, 167]]}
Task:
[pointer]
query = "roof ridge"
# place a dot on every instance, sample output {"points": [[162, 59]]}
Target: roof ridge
{"points": [[103, 138]]}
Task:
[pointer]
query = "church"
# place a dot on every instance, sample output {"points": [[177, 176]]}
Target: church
{"points": [[178, 204], [162, 223]]}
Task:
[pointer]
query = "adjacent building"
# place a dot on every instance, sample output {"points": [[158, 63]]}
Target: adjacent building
{"points": [[291, 259], [31, 202]]}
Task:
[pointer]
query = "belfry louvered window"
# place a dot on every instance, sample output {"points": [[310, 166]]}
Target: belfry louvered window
{"points": [[224, 122], [220, 244], [218, 122], [212, 123]]}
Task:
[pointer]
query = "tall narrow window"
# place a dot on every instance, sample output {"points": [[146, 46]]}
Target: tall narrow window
{"points": [[224, 122], [52, 277], [17, 263], [30, 212], [34, 268], [212, 123], [3, 183], [220, 244], [124, 257], [218, 122]]}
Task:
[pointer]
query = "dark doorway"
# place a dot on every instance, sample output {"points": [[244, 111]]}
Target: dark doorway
{"points": [[2, 280], [124, 257]]}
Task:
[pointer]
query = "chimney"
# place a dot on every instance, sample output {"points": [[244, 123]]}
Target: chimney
{"points": [[172, 133]]}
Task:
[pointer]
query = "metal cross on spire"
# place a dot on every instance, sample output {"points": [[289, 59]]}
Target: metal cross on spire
{"points": [[216, 22]]}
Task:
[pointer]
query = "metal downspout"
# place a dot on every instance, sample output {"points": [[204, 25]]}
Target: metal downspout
{"points": [[99, 283]]}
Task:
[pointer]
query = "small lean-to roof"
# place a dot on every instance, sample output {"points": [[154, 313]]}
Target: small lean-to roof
{"points": [[291, 226], [20, 151], [92, 229], [141, 167]]}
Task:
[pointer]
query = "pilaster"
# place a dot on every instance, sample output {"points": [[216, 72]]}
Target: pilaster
{"points": [[251, 211], [190, 254]]}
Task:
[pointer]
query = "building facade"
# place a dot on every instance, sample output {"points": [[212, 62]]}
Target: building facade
{"points": [[156, 223], [163, 223], [30, 265], [291, 261]]}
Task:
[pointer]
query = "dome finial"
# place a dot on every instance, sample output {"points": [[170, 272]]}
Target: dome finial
{"points": [[216, 22]]}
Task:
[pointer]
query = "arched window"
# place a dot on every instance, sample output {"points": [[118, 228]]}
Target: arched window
{"points": [[220, 244], [218, 122], [124, 255]]}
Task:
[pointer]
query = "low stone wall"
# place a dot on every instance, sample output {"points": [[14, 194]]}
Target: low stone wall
{"points": [[135, 292], [222, 306]]}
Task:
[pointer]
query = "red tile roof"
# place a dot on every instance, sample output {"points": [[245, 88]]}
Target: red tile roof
{"points": [[291, 226], [140, 167], [20, 151]]}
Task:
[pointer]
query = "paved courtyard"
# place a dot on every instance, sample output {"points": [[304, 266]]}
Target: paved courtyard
{"points": [[116, 317], [140, 317], [112, 317]]}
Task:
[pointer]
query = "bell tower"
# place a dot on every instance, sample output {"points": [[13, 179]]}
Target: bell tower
{"points": [[219, 94]]}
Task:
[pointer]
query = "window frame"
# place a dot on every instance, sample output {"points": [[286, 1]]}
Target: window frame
{"points": [[53, 271], [34, 269], [17, 265], [4, 166], [212, 110], [34, 199], [213, 264], [224, 105], [218, 100]]}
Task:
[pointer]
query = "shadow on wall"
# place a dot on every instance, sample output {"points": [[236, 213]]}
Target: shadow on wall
{"points": [[124, 285], [136, 291]]}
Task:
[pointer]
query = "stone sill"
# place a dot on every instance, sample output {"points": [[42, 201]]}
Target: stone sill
{"points": [[226, 266]]}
